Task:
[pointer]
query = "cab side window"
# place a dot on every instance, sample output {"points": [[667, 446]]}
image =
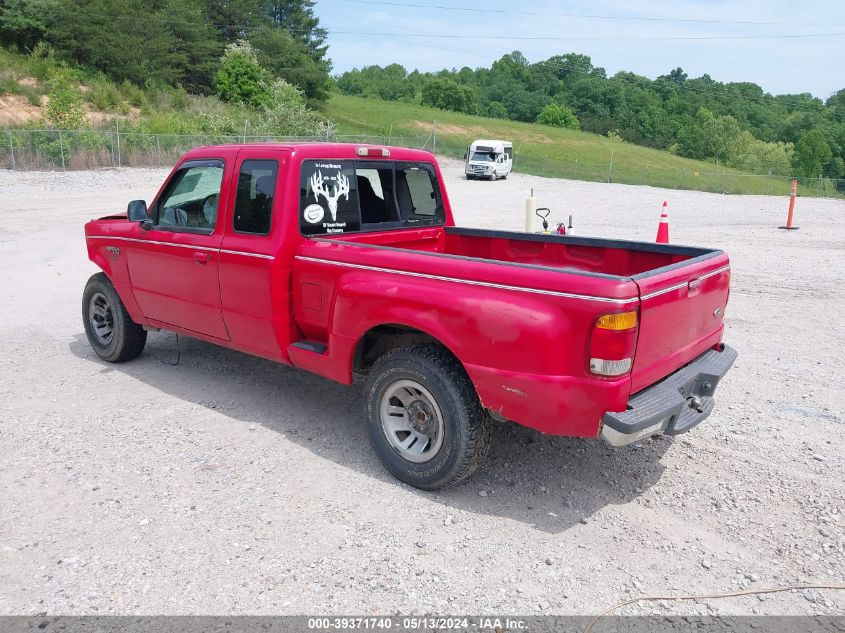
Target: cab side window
{"points": [[192, 198], [417, 193], [254, 201]]}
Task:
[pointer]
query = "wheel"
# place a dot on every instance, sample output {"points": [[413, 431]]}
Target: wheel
{"points": [[469, 177], [425, 420], [114, 336]]}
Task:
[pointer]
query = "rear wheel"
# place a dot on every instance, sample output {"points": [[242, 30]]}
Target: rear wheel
{"points": [[113, 335], [425, 420]]}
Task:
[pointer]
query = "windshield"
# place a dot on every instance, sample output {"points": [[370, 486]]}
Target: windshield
{"points": [[483, 157]]}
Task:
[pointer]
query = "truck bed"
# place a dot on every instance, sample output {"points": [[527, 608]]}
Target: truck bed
{"points": [[617, 258], [680, 292]]}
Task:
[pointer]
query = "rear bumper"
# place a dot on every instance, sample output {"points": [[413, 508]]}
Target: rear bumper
{"points": [[672, 406]]}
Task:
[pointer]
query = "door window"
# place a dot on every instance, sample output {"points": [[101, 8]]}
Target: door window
{"points": [[191, 199], [254, 201]]}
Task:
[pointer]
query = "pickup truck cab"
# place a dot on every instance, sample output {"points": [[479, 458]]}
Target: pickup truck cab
{"points": [[344, 261]]}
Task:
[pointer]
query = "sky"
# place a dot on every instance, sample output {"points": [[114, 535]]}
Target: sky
{"points": [[730, 41]]}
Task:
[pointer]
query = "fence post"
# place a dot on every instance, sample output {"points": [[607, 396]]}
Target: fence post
{"points": [[158, 151], [610, 168], [117, 124], [433, 136], [62, 150], [12, 148]]}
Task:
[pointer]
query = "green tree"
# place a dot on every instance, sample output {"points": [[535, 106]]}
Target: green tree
{"points": [[297, 17], [559, 116], [811, 154], [288, 58], [447, 94], [721, 134], [241, 79], [497, 110], [836, 106], [677, 76], [234, 19], [143, 41], [24, 23]]}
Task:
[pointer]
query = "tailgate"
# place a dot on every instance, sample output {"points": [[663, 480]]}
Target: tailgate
{"points": [[681, 316]]}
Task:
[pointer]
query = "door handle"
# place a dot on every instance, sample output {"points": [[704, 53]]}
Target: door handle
{"points": [[202, 258]]}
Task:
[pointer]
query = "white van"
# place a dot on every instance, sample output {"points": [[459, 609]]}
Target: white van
{"points": [[489, 159]]}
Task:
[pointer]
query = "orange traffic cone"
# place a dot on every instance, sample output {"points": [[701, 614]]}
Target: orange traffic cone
{"points": [[663, 227]]}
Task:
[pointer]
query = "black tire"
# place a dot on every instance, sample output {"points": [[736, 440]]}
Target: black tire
{"points": [[465, 423], [113, 335]]}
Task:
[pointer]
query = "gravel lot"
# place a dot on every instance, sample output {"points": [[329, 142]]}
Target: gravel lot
{"points": [[226, 484]]}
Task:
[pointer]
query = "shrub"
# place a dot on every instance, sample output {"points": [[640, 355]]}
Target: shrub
{"points": [[64, 105], [241, 79], [179, 99], [133, 94], [103, 95], [558, 115]]}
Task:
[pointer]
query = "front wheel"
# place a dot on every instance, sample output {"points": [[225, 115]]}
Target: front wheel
{"points": [[113, 335], [425, 420]]}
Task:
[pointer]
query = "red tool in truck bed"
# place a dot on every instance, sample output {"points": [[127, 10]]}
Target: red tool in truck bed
{"points": [[345, 260]]}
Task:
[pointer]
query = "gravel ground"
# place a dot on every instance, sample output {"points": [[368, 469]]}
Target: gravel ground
{"points": [[226, 484]]}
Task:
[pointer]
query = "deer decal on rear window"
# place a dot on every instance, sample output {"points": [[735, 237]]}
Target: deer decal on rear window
{"points": [[332, 193]]}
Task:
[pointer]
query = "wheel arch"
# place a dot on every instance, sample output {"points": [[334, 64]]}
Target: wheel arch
{"points": [[123, 290], [380, 339]]}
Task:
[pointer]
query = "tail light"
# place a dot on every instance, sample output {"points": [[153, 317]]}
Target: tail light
{"points": [[612, 343]]}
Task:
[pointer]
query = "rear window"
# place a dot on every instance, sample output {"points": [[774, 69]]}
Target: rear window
{"points": [[347, 195]]}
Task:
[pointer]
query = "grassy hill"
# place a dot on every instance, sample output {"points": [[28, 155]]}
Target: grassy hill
{"points": [[157, 125], [543, 150]]}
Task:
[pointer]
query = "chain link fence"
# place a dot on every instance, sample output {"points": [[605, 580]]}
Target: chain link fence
{"points": [[49, 149]]}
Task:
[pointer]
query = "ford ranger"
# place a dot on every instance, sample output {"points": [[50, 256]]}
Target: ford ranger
{"points": [[345, 261]]}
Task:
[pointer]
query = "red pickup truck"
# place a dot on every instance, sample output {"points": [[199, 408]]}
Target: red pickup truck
{"points": [[344, 260]]}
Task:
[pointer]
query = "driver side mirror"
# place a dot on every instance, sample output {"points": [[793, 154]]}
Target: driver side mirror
{"points": [[137, 210]]}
